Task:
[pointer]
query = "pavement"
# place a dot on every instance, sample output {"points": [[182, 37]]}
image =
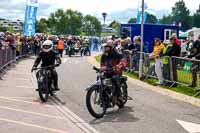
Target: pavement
{"points": [[21, 110], [149, 112]]}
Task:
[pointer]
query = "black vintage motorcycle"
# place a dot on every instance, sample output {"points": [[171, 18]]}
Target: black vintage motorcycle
{"points": [[45, 82], [102, 96]]}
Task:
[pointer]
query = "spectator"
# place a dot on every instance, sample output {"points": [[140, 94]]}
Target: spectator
{"points": [[36, 46], [61, 46], [195, 54], [176, 39], [136, 54], [184, 51], [175, 50], [166, 63], [156, 54], [19, 46]]}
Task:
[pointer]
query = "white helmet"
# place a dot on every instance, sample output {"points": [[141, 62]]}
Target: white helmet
{"points": [[108, 43], [47, 46]]}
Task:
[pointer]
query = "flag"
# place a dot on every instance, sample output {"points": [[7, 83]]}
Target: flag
{"points": [[139, 12], [30, 17]]}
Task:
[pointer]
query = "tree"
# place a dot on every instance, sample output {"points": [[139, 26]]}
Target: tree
{"points": [[132, 20], [115, 25], [180, 14], [166, 20], [41, 26], [65, 22], [91, 25], [2, 29], [152, 19], [196, 18], [11, 29]]}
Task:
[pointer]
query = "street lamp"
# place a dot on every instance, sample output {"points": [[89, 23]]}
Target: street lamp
{"points": [[104, 17], [142, 42]]}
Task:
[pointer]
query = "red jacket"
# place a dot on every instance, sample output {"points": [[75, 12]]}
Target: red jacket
{"points": [[178, 42], [114, 60]]}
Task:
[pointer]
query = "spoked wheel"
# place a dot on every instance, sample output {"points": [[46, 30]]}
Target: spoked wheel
{"points": [[124, 94], [43, 92], [124, 90], [95, 105]]}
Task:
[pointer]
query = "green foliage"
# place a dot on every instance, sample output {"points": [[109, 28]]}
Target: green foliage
{"points": [[2, 29], [69, 22], [11, 29], [91, 26], [181, 14], [152, 19], [196, 18], [41, 26], [132, 20], [115, 25], [166, 20], [65, 22]]}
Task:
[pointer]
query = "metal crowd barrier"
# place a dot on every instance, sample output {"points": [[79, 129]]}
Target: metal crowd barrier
{"points": [[8, 56], [175, 70]]}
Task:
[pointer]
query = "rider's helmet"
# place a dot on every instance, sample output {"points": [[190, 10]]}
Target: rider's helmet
{"points": [[108, 46], [47, 46], [109, 43]]}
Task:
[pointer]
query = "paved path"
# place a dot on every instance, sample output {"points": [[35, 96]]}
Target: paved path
{"points": [[149, 112], [21, 110]]}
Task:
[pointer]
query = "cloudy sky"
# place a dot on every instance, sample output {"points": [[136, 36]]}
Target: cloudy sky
{"points": [[121, 10]]}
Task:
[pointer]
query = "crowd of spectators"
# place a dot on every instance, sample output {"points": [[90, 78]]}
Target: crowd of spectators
{"points": [[158, 61]]}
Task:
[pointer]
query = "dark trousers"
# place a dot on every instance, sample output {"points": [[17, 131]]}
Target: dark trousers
{"points": [[195, 69], [117, 84], [166, 72], [60, 51], [174, 63]]}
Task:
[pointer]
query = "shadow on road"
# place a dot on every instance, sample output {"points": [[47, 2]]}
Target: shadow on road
{"points": [[121, 115]]}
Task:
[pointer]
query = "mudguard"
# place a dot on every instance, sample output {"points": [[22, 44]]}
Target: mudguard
{"points": [[94, 86], [123, 79]]}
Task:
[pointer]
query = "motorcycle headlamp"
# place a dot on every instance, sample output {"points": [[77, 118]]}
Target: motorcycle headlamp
{"points": [[107, 82]]}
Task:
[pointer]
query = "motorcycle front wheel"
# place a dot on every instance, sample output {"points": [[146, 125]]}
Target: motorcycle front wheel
{"points": [[43, 91], [95, 104]]}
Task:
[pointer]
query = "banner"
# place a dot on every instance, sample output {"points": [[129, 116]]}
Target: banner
{"points": [[139, 13], [30, 17]]}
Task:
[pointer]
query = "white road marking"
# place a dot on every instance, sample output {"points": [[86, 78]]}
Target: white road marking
{"points": [[189, 127], [33, 125], [32, 113], [80, 123], [76, 120]]}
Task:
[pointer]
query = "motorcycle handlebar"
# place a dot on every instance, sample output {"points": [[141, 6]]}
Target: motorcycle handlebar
{"points": [[47, 67], [99, 70]]}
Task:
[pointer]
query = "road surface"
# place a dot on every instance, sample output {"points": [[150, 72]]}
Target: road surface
{"points": [[149, 112]]}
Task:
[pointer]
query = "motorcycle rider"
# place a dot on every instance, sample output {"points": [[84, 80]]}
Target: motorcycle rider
{"points": [[112, 59], [48, 58]]}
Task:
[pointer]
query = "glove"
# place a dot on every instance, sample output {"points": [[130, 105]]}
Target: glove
{"points": [[103, 68]]}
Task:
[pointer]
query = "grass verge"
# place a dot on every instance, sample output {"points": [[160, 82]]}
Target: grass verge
{"points": [[180, 88]]}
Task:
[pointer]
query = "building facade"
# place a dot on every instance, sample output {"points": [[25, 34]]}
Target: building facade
{"points": [[17, 25]]}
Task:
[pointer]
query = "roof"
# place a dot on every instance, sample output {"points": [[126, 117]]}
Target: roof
{"points": [[153, 25]]}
